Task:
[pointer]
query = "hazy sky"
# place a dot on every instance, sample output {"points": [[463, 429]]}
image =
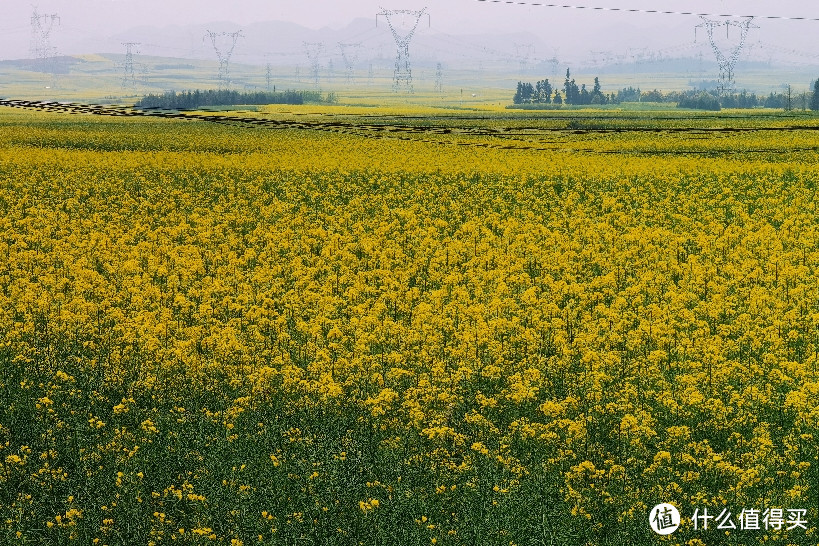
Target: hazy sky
{"points": [[449, 14], [103, 18]]}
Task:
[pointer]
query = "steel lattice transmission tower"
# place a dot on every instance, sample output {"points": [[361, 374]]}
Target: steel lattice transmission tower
{"points": [[349, 52], [403, 70], [523, 52], [554, 62], [41, 27], [726, 64], [439, 78], [314, 51], [223, 45], [129, 78]]}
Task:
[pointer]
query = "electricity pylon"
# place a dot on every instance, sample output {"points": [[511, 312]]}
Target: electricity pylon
{"points": [[41, 27], [224, 50], [726, 63], [403, 70], [523, 52], [314, 51], [129, 78], [439, 78], [554, 62], [349, 52]]}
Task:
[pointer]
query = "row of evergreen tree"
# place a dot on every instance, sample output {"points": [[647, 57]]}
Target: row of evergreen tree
{"points": [[710, 100], [223, 97], [543, 93], [705, 100]]}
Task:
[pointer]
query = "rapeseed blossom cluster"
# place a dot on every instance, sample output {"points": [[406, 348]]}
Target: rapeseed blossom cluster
{"points": [[221, 340]]}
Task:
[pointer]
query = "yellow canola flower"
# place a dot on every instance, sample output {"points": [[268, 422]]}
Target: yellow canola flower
{"points": [[615, 315]]}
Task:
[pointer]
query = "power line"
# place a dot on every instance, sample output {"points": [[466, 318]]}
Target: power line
{"points": [[651, 11], [451, 40]]}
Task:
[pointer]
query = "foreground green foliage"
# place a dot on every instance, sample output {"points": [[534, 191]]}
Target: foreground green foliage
{"points": [[218, 334]]}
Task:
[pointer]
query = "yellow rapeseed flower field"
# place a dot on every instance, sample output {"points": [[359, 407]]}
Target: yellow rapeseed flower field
{"points": [[499, 330]]}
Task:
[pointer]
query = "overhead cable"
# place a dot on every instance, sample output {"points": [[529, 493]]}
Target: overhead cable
{"points": [[651, 11]]}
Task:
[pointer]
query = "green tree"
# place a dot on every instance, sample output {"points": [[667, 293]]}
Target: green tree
{"points": [[597, 96], [571, 92], [814, 101], [524, 94], [585, 97], [543, 91]]}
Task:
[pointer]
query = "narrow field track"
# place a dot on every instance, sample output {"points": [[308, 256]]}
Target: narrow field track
{"points": [[539, 139]]}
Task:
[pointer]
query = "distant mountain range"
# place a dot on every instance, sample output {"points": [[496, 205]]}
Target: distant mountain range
{"points": [[615, 48], [282, 43]]}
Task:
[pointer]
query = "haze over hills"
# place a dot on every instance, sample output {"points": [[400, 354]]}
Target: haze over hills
{"points": [[473, 32], [667, 55]]}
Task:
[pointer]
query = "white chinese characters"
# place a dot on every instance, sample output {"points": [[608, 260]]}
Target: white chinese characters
{"points": [[751, 519]]}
